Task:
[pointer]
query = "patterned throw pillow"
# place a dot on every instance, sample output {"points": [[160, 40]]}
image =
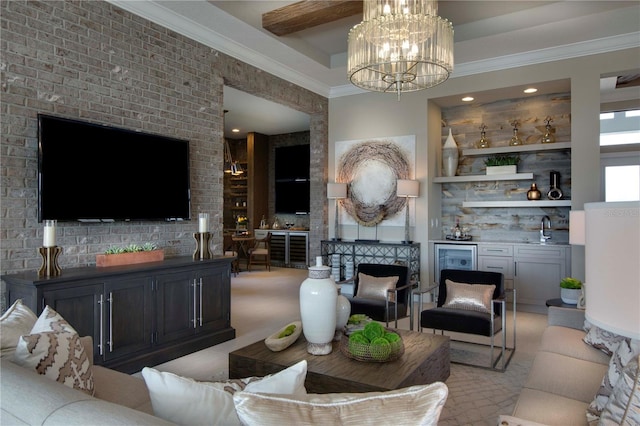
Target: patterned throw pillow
{"points": [[623, 407], [376, 287], [15, 322], [627, 350], [469, 297], [603, 340], [53, 349]]}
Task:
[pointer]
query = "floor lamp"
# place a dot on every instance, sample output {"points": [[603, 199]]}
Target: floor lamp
{"points": [[336, 191], [408, 189]]}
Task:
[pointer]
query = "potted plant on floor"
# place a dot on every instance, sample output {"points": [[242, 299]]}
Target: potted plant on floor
{"points": [[502, 164], [131, 254], [570, 290]]}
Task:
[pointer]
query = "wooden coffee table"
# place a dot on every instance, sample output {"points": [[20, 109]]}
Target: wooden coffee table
{"points": [[425, 360]]}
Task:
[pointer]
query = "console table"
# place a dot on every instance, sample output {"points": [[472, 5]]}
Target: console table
{"points": [[137, 315], [373, 252]]}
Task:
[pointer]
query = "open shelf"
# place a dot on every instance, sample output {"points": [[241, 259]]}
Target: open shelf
{"points": [[557, 146], [483, 178], [539, 203]]}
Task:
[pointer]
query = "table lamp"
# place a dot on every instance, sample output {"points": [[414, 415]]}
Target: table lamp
{"points": [[336, 191], [408, 189]]}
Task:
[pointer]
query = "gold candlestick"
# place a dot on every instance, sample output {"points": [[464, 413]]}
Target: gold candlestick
{"points": [[49, 266], [202, 246]]}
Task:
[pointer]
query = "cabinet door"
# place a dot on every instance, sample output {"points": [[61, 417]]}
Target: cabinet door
{"points": [[80, 306], [213, 296], [175, 310], [537, 280], [129, 320], [298, 249]]}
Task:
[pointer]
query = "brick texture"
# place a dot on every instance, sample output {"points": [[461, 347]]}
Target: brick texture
{"points": [[91, 60]]}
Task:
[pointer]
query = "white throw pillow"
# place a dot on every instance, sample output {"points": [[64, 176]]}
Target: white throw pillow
{"points": [[54, 350], [415, 405], [185, 401], [15, 322], [623, 406]]}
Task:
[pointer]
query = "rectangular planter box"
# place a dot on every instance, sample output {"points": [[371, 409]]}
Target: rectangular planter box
{"points": [[502, 170], [129, 258]]}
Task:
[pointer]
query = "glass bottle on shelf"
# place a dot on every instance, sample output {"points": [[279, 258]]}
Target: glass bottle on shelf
{"points": [[515, 140], [483, 142], [548, 136]]}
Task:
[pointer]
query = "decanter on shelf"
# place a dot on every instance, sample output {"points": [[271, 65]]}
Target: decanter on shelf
{"points": [[483, 142], [548, 136]]}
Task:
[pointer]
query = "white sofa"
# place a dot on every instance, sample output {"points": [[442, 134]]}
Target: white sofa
{"points": [[565, 376]]}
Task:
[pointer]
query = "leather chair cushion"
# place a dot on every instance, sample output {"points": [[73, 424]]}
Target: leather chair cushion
{"points": [[458, 320], [374, 308]]}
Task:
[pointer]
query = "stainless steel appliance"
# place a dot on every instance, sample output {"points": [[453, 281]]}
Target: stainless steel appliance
{"points": [[455, 256]]}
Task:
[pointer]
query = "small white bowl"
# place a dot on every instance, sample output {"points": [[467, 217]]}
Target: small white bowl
{"points": [[278, 344]]}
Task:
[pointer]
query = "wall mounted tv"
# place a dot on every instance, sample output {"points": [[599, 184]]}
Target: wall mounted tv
{"points": [[95, 173]]}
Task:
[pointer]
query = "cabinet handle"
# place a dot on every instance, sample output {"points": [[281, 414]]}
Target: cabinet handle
{"points": [[496, 250], [515, 269], [101, 340], [495, 267], [200, 318], [110, 342], [195, 300]]}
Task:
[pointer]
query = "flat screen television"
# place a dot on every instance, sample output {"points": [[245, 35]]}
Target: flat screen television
{"points": [[292, 197], [90, 172]]}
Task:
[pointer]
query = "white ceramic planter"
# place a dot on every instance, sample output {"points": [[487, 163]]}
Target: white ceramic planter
{"points": [[570, 295], [502, 170], [318, 309]]}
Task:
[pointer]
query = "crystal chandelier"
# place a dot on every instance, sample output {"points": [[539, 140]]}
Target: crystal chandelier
{"points": [[400, 46]]}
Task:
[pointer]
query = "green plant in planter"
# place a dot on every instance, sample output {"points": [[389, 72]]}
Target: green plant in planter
{"points": [[502, 160], [571, 283], [131, 248]]}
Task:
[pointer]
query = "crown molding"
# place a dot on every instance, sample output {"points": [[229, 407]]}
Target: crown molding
{"points": [[156, 12]]}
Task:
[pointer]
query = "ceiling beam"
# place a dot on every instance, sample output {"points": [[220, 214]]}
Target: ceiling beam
{"points": [[307, 14]]}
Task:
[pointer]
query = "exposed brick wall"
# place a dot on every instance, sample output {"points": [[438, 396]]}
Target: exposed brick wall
{"points": [[93, 61]]}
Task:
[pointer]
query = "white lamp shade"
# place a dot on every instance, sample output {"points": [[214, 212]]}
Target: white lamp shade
{"points": [[576, 227], [612, 267], [407, 188], [336, 190]]}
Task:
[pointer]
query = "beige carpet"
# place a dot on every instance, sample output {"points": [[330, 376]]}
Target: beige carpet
{"points": [[262, 302]]}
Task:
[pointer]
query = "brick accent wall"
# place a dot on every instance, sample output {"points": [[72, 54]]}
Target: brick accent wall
{"points": [[93, 61]]}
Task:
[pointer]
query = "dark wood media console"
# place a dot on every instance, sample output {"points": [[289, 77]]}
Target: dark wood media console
{"points": [[138, 315]]}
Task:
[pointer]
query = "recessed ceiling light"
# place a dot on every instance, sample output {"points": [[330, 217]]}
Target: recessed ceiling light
{"points": [[467, 99], [235, 130], [530, 90]]}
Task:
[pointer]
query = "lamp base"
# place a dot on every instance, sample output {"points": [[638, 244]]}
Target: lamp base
{"points": [[336, 239], [49, 267], [202, 246], [407, 242]]}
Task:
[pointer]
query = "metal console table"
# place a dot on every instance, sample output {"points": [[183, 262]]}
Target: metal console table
{"points": [[373, 252]]}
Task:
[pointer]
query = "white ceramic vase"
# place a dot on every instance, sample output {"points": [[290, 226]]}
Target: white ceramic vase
{"points": [[343, 312], [318, 307], [449, 156]]}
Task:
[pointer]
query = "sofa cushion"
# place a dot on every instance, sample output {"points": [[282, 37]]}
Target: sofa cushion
{"points": [[562, 375], [415, 405], [53, 349], [568, 341], [122, 389], [376, 287], [627, 350], [16, 321], [187, 402], [470, 297], [549, 409]]}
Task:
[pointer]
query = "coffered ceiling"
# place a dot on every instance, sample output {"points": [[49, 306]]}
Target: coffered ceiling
{"points": [[489, 35]]}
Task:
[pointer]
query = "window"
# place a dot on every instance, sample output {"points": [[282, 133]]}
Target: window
{"points": [[620, 165]]}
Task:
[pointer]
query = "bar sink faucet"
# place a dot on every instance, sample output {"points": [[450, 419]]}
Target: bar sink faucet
{"points": [[544, 236]]}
